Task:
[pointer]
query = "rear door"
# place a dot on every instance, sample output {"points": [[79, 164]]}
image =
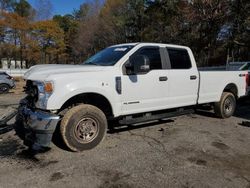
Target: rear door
{"points": [[183, 79]]}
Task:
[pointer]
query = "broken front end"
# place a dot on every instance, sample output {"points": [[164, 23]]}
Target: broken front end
{"points": [[34, 125]]}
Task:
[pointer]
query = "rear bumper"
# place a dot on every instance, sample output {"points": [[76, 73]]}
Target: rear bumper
{"points": [[35, 127]]}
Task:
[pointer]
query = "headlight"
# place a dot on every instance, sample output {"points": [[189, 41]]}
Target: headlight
{"points": [[45, 90]]}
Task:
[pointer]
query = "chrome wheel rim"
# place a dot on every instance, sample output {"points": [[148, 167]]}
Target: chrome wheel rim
{"points": [[86, 130], [228, 106]]}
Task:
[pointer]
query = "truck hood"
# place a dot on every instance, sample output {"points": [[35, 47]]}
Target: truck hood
{"points": [[41, 72]]}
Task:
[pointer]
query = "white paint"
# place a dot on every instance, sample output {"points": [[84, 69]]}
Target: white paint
{"points": [[144, 91]]}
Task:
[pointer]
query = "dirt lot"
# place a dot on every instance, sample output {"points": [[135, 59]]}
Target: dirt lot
{"points": [[188, 151]]}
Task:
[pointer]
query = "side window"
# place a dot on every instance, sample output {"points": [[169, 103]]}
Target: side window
{"points": [[179, 58], [153, 55]]}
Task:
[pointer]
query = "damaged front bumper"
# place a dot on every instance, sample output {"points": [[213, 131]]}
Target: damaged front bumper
{"points": [[35, 127]]}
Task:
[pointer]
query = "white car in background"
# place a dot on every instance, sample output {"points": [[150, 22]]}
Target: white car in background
{"points": [[6, 82]]}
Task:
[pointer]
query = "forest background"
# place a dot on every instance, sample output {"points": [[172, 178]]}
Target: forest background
{"points": [[218, 31]]}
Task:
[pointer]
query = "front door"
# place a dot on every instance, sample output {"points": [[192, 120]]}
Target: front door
{"points": [[147, 91]]}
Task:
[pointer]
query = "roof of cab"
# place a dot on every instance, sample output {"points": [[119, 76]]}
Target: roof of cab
{"points": [[150, 43]]}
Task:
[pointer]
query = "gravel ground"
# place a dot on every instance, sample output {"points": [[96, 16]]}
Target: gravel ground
{"points": [[190, 151]]}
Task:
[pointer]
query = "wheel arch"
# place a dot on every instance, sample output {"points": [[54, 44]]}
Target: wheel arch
{"points": [[4, 83], [91, 98], [232, 88]]}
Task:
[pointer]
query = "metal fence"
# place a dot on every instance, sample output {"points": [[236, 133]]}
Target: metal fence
{"points": [[14, 72]]}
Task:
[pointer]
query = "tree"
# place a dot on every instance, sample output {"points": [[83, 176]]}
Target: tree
{"points": [[206, 18], [31, 41], [239, 30], [15, 33], [166, 28], [82, 12], [50, 38], [211, 27], [85, 42], [22, 8], [112, 23], [69, 25], [44, 9], [65, 22], [7, 5]]}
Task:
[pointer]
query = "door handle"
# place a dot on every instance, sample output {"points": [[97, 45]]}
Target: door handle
{"points": [[163, 78], [193, 77], [242, 75]]}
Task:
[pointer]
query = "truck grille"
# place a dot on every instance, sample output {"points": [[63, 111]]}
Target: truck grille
{"points": [[32, 92]]}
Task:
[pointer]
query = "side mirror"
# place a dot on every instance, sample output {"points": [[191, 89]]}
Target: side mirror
{"points": [[129, 68], [138, 64]]}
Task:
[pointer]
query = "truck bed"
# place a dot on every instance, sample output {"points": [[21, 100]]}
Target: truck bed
{"points": [[212, 84]]}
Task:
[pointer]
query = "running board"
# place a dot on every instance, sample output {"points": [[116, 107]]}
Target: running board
{"points": [[148, 117]]}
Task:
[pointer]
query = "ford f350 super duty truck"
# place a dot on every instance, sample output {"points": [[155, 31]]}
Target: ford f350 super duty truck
{"points": [[130, 83]]}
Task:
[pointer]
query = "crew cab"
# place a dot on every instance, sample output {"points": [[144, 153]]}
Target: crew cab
{"points": [[129, 83]]}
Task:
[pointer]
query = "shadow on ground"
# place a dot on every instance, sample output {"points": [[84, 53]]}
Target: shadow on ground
{"points": [[12, 150], [243, 109]]}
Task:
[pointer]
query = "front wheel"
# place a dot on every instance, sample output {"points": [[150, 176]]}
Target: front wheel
{"points": [[83, 127], [225, 108]]}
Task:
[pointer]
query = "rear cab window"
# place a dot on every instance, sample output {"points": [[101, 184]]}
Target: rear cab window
{"points": [[179, 58]]}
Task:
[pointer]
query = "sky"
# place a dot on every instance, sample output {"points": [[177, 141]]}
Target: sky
{"points": [[62, 6]]}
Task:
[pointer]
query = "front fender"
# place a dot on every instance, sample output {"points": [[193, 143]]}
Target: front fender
{"points": [[57, 100]]}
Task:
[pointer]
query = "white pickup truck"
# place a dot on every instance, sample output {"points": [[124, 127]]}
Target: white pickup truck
{"points": [[131, 83]]}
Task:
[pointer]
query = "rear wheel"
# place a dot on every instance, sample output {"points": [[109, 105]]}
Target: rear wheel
{"points": [[83, 127], [225, 108], [4, 88]]}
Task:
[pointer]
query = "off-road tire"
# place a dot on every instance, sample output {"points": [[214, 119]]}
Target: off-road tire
{"points": [[92, 117], [4, 88], [225, 108]]}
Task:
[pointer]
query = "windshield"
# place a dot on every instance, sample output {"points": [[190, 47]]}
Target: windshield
{"points": [[109, 56]]}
